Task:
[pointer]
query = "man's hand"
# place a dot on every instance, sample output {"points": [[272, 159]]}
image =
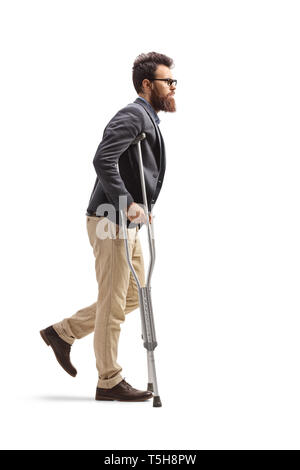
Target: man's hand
{"points": [[136, 214]]}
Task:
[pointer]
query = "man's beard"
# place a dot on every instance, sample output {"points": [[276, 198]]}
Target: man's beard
{"points": [[160, 103]]}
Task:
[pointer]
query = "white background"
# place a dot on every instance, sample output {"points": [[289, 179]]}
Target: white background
{"points": [[226, 280]]}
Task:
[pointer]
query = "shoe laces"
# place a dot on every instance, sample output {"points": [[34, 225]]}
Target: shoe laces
{"points": [[128, 386]]}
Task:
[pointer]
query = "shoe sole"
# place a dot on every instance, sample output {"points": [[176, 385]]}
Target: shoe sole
{"points": [[120, 399], [44, 336]]}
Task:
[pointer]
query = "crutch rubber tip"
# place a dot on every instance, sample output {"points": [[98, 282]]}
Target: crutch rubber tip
{"points": [[150, 387], [156, 402]]}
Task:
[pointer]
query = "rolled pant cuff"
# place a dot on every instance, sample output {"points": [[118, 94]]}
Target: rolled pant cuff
{"points": [[110, 383], [61, 333]]}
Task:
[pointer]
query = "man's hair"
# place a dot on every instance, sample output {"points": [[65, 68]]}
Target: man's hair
{"points": [[145, 66]]}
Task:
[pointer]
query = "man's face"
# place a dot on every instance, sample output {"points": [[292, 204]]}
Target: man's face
{"points": [[161, 94]]}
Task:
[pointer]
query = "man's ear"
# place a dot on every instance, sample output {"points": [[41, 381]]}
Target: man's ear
{"points": [[148, 84]]}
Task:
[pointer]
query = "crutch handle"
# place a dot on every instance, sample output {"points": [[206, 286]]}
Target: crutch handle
{"points": [[139, 138]]}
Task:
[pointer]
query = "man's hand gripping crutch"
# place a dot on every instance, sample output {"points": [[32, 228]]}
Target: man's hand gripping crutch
{"points": [[148, 329]]}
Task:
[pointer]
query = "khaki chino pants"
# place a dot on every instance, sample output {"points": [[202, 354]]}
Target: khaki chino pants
{"points": [[117, 296]]}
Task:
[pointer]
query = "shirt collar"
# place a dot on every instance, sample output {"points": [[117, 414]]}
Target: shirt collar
{"points": [[154, 114]]}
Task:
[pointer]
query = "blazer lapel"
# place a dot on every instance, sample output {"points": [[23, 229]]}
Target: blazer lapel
{"points": [[158, 133]]}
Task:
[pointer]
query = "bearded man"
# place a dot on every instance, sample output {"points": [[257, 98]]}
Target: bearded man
{"points": [[117, 188]]}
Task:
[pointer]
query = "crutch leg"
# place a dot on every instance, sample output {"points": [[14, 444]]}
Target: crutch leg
{"points": [[149, 339], [152, 373]]}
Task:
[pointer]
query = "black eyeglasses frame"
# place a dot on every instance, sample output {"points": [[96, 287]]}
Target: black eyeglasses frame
{"points": [[167, 80]]}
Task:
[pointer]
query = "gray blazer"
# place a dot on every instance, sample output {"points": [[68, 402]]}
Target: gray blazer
{"points": [[116, 162]]}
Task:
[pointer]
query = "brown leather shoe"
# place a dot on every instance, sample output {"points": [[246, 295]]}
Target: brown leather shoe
{"points": [[61, 349], [122, 392]]}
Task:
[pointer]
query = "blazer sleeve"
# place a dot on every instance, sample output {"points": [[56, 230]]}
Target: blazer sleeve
{"points": [[118, 135]]}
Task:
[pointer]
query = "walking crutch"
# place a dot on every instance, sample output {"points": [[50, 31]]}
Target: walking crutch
{"points": [[148, 329]]}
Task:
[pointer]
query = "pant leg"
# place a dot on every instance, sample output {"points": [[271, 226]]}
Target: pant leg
{"points": [[78, 325], [113, 274], [82, 322]]}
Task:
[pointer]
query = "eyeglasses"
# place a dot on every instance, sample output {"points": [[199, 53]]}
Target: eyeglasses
{"points": [[168, 81]]}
